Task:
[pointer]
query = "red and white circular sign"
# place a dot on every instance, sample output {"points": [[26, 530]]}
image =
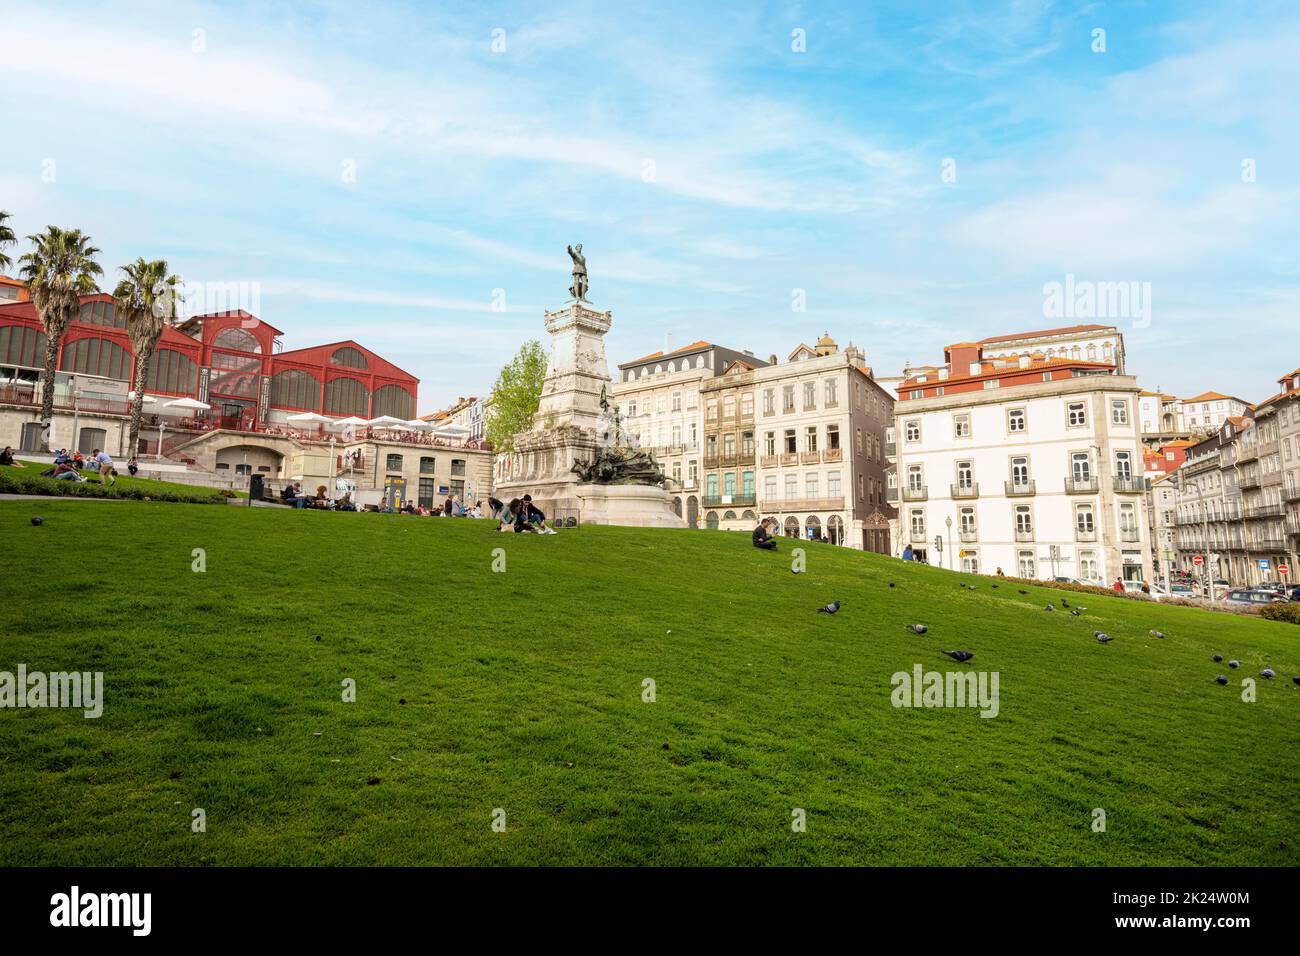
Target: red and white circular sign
{"points": [[1197, 559], [1284, 569]]}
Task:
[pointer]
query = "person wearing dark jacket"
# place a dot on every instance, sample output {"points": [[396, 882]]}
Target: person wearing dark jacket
{"points": [[762, 539]]}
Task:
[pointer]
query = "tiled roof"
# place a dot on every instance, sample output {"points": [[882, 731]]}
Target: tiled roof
{"points": [[990, 368], [685, 348]]}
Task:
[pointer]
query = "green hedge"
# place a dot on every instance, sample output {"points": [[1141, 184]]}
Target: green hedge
{"points": [[14, 482], [1290, 613]]}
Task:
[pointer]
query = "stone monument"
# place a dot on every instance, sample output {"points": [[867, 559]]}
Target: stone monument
{"points": [[578, 460]]}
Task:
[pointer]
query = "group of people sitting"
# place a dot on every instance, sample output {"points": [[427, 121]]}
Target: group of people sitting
{"points": [[520, 516], [294, 496], [69, 467], [453, 507]]}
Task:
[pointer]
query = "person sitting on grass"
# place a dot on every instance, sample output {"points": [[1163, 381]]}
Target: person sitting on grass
{"points": [[67, 471], [7, 458], [535, 516], [761, 537], [133, 466], [79, 461], [321, 500]]}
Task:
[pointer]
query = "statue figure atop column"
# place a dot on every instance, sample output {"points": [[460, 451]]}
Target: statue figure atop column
{"points": [[579, 288]]}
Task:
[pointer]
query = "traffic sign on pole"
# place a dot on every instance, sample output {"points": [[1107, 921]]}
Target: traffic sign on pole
{"points": [[1197, 560], [1284, 569]]}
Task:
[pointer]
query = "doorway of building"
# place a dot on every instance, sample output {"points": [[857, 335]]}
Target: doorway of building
{"points": [[90, 439], [31, 437]]}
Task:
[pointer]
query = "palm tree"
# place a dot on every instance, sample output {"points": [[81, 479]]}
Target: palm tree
{"points": [[58, 271], [7, 238], [147, 297]]}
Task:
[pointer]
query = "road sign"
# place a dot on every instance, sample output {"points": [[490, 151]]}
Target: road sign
{"points": [[1197, 560], [1263, 564], [1284, 569]]}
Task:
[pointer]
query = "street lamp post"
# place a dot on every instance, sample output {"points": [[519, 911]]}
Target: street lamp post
{"points": [[948, 522]]}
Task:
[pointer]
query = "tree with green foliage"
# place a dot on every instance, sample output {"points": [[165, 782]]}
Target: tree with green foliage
{"points": [[516, 395], [147, 297], [59, 270], [7, 238]]}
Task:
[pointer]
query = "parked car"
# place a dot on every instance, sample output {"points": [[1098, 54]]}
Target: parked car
{"points": [[1067, 580], [1252, 597], [1180, 590]]}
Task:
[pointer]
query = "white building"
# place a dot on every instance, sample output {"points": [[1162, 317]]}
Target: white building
{"points": [[1205, 413], [1028, 464], [1088, 343]]}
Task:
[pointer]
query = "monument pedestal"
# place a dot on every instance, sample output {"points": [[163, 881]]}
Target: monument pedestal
{"points": [[575, 423], [541, 465], [631, 506]]}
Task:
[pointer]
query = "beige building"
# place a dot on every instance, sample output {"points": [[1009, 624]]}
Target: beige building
{"points": [[659, 398], [800, 442], [1239, 501]]}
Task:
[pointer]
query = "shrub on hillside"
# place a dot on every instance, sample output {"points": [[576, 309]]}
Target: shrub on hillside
{"points": [[1290, 613], [14, 482]]}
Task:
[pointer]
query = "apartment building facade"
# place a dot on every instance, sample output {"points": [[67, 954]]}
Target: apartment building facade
{"points": [[800, 442], [1240, 506], [1026, 464], [659, 397]]}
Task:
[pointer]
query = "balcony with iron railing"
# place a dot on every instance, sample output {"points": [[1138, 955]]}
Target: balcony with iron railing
{"points": [[1024, 534], [728, 501], [1247, 451], [1019, 489], [832, 455], [968, 537], [1248, 480], [916, 536], [1080, 486], [789, 458], [1085, 534], [1274, 510], [1291, 491], [810, 458], [1130, 535], [971, 490], [781, 505], [916, 494], [1292, 524], [769, 461], [1129, 485], [1267, 544]]}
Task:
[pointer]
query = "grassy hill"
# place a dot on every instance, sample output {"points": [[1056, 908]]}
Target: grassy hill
{"points": [[523, 691], [28, 480]]}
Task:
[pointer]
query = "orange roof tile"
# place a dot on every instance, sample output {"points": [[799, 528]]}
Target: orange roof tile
{"points": [[661, 354]]}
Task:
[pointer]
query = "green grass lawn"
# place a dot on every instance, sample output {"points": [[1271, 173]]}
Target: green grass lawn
{"points": [[523, 691], [124, 483]]}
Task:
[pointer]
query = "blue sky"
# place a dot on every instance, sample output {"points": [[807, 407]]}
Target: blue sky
{"points": [[708, 168]]}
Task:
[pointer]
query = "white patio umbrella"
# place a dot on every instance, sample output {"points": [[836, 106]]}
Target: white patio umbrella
{"points": [[453, 431], [192, 404], [142, 399], [387, 421], [309, 418], [352, 421], [419, 425]]}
